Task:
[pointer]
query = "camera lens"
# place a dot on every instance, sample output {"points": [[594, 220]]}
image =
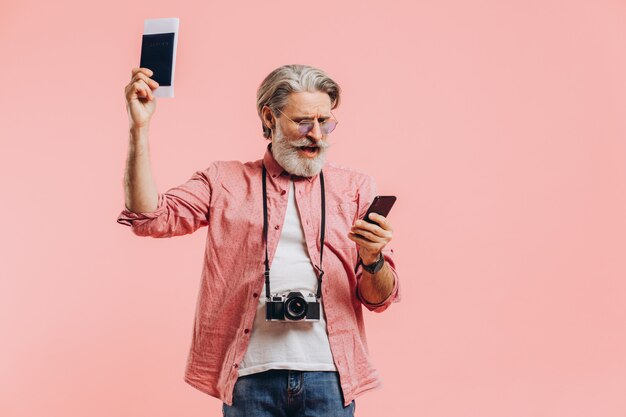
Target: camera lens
{"points": [[295, 307]]}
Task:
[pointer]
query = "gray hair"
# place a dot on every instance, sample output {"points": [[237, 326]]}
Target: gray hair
{"points": [[276, 87]]}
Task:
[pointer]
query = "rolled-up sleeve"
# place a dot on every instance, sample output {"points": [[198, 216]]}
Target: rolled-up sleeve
{"points": [[180, 210], [394, 296], [367, 192]]}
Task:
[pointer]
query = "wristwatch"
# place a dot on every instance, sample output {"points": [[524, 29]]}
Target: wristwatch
{"points": [[375, 267]]}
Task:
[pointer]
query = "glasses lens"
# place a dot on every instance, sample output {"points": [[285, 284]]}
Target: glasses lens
{"points": [[328, 126], [305, 127]]}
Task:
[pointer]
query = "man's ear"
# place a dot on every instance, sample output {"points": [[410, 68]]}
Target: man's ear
{"points": [[268, 117]]}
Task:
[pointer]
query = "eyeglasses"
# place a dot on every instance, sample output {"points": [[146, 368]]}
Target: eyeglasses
{"points": [[305, 126]]}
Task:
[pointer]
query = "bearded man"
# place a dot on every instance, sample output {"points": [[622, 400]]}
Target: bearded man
{"points": [[289, 260]]}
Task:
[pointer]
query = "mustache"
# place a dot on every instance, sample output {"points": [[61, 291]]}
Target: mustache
{"points": [[307, 142]]}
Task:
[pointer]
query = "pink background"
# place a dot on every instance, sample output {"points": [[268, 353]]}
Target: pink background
{"points": [[498, 124]]}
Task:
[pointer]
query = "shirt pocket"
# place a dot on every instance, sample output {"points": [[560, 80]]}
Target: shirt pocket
{"points": [[340, 219], [236, 222]]}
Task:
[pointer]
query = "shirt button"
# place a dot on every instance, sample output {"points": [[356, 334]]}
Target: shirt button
{"points": [[283, 192], [246, 331], [236, 365], [277, 227], [255, 295]]}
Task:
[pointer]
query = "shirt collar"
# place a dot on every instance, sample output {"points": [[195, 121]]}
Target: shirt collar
{"points": [[274, 168]]}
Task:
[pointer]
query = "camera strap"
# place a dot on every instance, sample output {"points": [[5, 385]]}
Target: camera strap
{"points": [[265, 225]]}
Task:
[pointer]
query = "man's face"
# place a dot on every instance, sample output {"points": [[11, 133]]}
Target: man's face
{"points": [[299, 154]]}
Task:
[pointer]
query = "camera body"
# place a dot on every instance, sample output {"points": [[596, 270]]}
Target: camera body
{"points": [[292, 306]]}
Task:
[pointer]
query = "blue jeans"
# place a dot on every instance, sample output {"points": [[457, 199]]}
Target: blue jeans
{"points": [[287, 393]]}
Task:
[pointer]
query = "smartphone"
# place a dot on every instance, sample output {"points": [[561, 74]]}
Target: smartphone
{"points": [[381, 205]]}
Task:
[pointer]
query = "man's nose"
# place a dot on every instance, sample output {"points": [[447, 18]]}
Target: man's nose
{"points": [[315, 133]]}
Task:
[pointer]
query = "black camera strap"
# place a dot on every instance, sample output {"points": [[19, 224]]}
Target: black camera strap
{"points": [[265, 225]]}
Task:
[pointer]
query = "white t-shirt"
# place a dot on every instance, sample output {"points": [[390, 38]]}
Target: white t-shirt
{"points": [[298, 345]]}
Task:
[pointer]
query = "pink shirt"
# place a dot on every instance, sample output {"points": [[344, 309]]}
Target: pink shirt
{"points": [[227, 197]]}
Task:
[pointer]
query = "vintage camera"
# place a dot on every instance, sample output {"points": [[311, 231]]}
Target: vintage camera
{"points": [[292, 306]]}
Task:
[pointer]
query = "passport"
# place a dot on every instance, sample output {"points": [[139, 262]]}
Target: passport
{"points": [[157, 53]]}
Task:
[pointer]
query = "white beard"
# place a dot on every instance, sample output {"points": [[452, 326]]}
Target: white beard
{"points": [[285, 152]]}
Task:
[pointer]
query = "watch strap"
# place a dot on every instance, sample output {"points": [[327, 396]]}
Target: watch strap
{"points": [[375, 267]]}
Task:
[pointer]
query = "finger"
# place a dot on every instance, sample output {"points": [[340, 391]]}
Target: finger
{"points": [[381, 220], [371, 237], [378, 235], [365, 244], [148, 93], [362, 224], [141, 89], [149, 81], [360, 239], [146, 71], [373, 228], [134, 85]]}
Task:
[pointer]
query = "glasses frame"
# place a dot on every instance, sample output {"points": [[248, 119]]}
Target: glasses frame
{"points": [[314, 120]]}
